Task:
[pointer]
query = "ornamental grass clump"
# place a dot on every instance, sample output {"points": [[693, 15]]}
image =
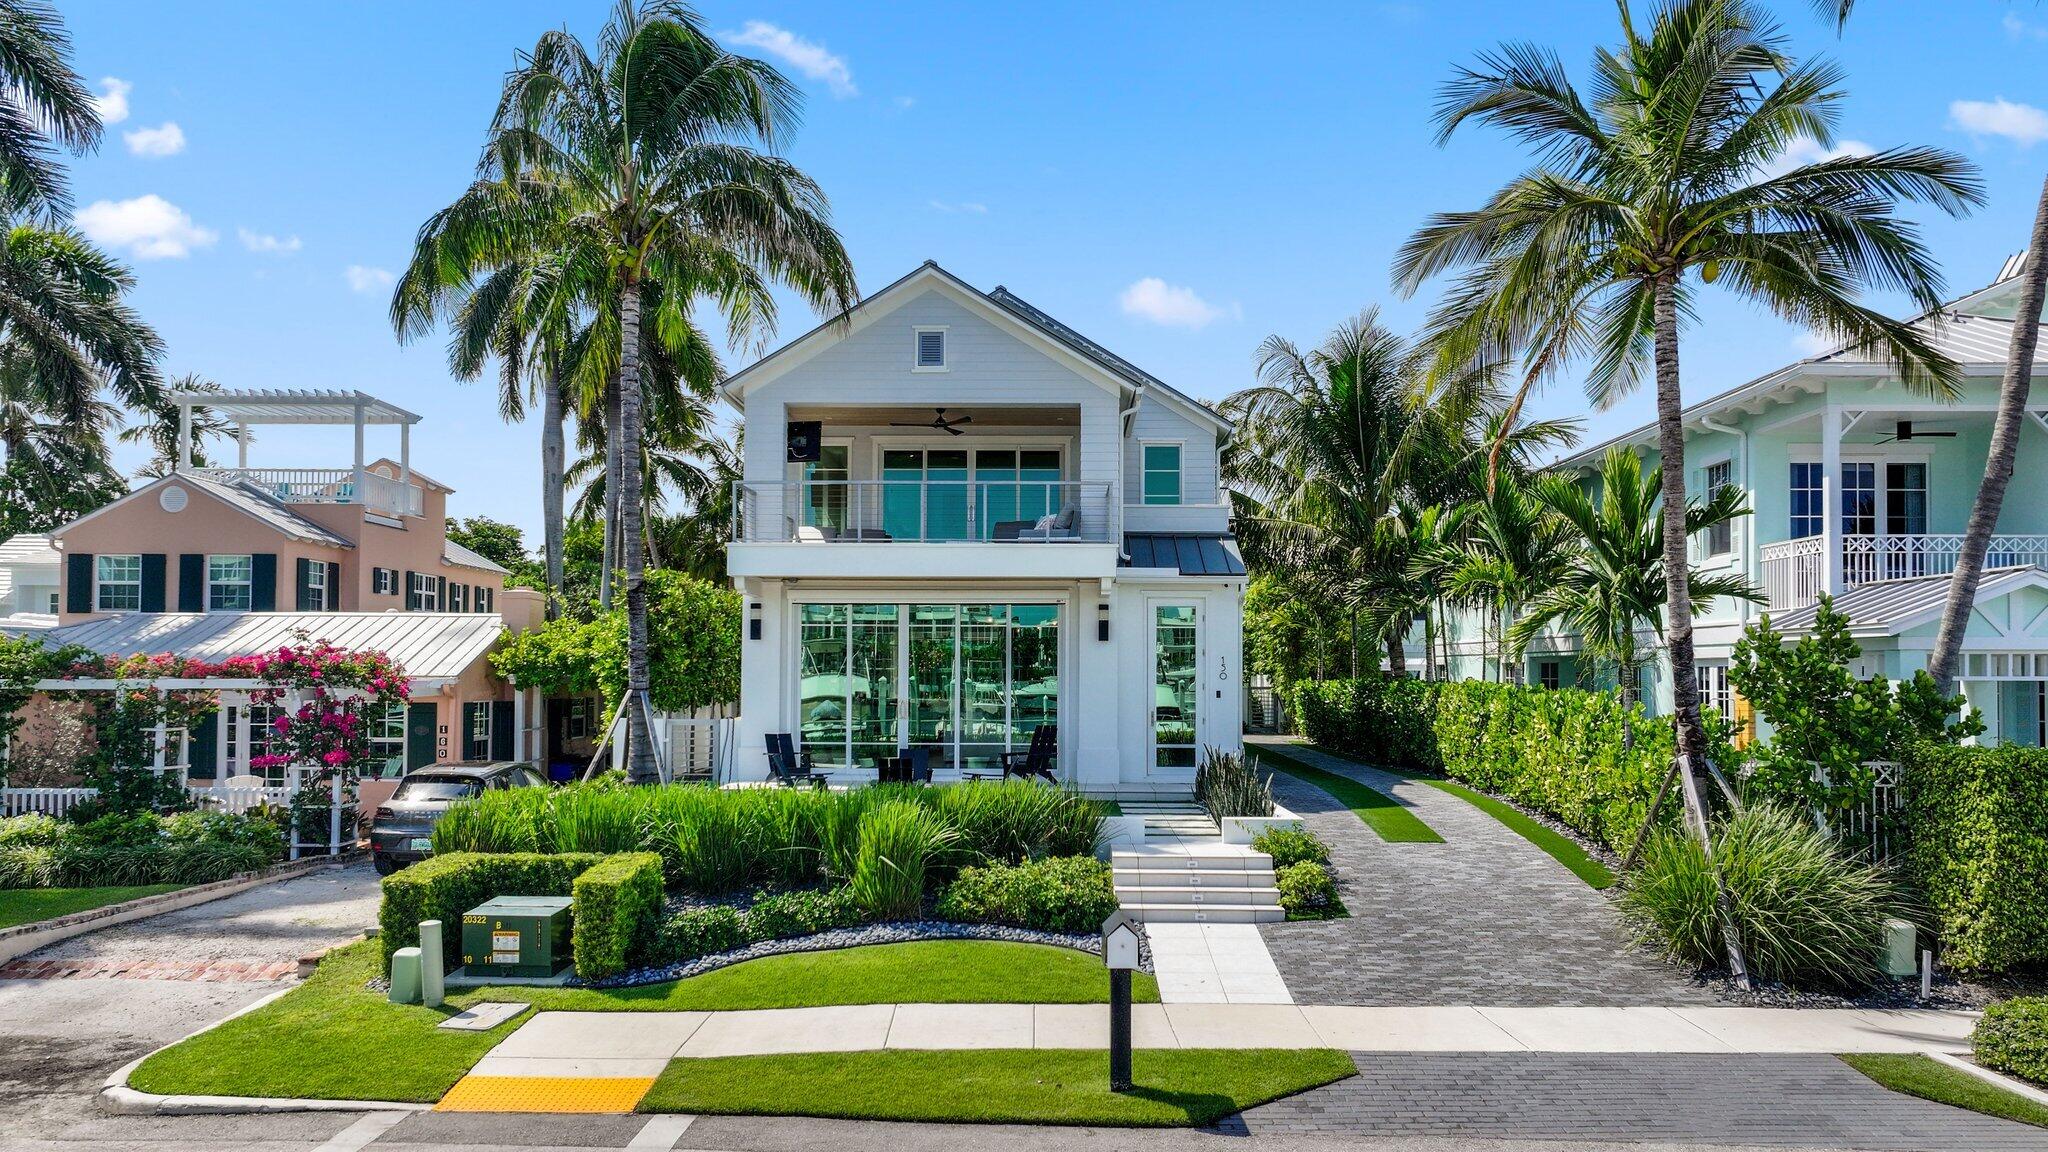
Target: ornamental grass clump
{"points": [[1229, 785], [1017, 820], [1806, 915], [901, 842]]}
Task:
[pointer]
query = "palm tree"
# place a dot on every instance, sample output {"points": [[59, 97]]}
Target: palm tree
{"points": [[1512, 549], [163, 427], [41, 99], [657, 158], [1658, 185], [1611, 590]]}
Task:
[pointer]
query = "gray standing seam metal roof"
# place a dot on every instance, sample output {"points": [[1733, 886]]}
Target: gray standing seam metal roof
{"points": [[1066, 334], [1886, 607], [263, 506], [467, 557], [428, 645], [29, 548], [1193, 553]]}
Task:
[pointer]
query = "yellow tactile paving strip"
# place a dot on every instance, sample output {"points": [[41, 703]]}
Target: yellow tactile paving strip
{"points": [[545, 1094]]}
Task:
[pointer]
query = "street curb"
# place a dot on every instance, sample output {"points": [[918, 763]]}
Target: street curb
{"points": [[25, 938], [118, 1099], [2011, 1084]]}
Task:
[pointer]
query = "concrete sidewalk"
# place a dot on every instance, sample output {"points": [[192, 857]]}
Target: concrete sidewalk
{"points": [[640, 1044]]}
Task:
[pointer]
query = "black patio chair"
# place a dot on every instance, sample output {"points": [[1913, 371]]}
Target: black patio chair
{"points": [[1035, 762], [789, 767]]}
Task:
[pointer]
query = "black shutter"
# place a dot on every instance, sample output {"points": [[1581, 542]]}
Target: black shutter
{"points": [[205, 745], [412, 596], [333, 586], [486, 598], [152, 581], [302, 577], [501, 730], [468, 743], [78, 582], [440, 593], [263, 582], [192, 582]]}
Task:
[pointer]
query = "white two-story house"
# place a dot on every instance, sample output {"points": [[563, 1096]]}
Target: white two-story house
{"points": [[1861, 487], [960, 520]]}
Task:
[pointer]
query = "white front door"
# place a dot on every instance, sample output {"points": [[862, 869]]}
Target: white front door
{"points": [[1176, 631]]}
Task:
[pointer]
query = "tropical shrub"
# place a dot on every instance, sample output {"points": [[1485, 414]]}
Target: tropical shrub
{"points": [[27, 866], [1291, 846], [901, 842], [2013, 1037], [1806, 915], [1307, 889], [701, 932], [135, 847], [805, 912], [1060, 894], [615, 914], [1977, 849], [1226, 784], [1377, 718], [444, 887], [30, 830], [693, 632]]}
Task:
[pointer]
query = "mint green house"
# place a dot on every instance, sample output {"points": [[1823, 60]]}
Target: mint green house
{"points": [[1860, 488]]}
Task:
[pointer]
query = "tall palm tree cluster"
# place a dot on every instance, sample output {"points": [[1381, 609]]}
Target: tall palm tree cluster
{"points": [[72, 349], [618, 191]]}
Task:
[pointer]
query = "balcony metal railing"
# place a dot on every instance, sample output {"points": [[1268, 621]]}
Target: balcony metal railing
{"points": [[1794, 575], [328, 486], [926, 511]]}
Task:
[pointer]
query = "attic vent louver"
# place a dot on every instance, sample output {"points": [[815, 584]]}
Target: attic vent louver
{"points": [[931, 348]]}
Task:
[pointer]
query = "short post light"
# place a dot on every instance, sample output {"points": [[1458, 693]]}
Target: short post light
{"points": [[433, 986], [1120, 955]]}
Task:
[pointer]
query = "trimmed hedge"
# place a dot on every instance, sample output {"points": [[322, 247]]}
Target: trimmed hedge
{"points": [[1375, 718], [2013, 1037], [616, 913], [1977, 822], [444, 887], [1061, 894]]}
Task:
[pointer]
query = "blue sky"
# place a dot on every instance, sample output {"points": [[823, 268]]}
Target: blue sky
{"points": [[1176, 181]]}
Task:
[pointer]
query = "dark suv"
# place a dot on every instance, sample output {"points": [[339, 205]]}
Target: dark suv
{"points": [[402, 832]]}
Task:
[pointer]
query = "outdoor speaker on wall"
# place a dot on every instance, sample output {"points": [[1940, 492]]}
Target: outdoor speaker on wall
{"points": [[804, 441]]}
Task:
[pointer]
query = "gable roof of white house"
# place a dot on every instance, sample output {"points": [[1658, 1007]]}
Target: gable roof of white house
{"points": [[1003, 308], [1965, 330]]}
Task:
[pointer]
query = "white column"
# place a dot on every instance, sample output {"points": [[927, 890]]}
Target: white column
{"points": [[241, 444], [184, 435], [1831, 499], [405, 453], [358, 475], [519, 740]]}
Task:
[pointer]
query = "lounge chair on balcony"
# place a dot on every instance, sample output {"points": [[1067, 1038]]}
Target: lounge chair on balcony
{"points": [[789, 767], [1062, 525]]}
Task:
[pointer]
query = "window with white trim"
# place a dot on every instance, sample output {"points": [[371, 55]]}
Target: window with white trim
{"points": [[1550, 674], [1161, 464], [316, 587], [1720, 537], [930, 355], [120, 584], [1714, 691], [387, 742], [477, 744], [426, 592], [384, 581], [581, 720], [230, 583], [486, 598]]}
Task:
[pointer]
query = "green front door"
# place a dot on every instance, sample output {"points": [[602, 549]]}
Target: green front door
{"points": [[419, 735]]}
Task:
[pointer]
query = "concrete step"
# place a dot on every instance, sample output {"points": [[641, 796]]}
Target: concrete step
{"points": [[1162, 808], [1207, 913], [1146, 896], [1190, 878], [1192, 858]]}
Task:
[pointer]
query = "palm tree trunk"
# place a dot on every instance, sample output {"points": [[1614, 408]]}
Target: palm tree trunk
{"points": [[1397, 656], [1998, 467], [611, 494], [640, 753], [552, 464], [1428, 642]]}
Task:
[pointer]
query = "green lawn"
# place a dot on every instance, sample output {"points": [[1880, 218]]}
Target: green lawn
{"points": [[28, 905], [1930, 1079], [1173, 1087], [1557, 845], [924, 972], [333, 1038], [329, 1038], [1381, 812]]}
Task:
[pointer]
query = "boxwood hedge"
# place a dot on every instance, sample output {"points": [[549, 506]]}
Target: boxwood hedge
{"points": [[1977, 823]]}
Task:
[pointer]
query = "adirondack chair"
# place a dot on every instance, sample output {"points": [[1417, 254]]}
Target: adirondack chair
{"points": [[788, 766], [1035, 760]]}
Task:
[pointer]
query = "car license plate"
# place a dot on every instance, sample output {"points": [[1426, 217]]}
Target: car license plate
{"points": [[423, 843]]}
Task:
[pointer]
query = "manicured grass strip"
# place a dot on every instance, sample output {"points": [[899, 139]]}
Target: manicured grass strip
{"points": [[28, 905], [924, 972], [1930, 1079], [1172, 1087], [329, 1038], [1381, 812], [1558, 846]]}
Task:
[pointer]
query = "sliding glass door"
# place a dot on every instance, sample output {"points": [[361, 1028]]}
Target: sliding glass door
{"points": [[965, 682]]}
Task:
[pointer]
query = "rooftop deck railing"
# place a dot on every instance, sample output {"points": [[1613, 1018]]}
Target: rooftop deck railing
{"points": [[926, 511], [1795, 575], [328, 486]]}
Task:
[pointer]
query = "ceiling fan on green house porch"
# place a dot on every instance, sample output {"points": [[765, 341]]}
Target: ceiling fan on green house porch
{"points": [[1903, 432]]}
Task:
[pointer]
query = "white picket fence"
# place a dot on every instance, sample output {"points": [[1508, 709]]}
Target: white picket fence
{"points": [[58, 801]]}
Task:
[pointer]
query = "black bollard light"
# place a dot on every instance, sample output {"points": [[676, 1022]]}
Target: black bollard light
{"points": [[1120, 955]]}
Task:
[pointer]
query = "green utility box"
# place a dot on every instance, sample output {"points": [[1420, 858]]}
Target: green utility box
{"points": [[516, 936]]}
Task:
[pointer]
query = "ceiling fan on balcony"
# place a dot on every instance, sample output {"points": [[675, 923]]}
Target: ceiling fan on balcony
{"points": [[1904, 432], [939, 421]]}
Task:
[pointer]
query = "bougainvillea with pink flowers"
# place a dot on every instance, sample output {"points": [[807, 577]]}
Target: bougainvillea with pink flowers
{"points": [[337, 692]]}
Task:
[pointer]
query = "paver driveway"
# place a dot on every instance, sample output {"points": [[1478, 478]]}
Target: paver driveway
{"points": [[1483, 918]]}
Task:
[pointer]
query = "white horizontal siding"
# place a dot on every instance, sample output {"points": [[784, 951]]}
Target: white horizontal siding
{"points": [[1161, 422]]}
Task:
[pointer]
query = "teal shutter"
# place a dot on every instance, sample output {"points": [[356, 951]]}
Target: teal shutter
{"points": [[192, 582], [263, 582], [420, 719], [152, 581], [78, 582]]}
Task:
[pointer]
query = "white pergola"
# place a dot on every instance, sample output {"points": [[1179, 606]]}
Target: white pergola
{"points": [[295, 406]]}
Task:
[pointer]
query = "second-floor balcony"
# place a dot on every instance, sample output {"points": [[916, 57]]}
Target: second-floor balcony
{"points": [[1795, 572], [1019, 512], [380, 494]]}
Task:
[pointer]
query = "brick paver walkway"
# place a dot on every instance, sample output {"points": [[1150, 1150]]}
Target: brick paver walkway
{"points": [[1767, 1100], [1483, 918], [208, 971]]}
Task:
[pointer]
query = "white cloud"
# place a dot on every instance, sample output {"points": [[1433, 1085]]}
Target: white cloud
{"points": [[1807, 150], [112, 101], [2023, 124], [971, 207], [1169, 304], [906, 102], [363, 278], [813, 60], [2018, 29], [267, 244], [150, 227], [167, 140]]}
